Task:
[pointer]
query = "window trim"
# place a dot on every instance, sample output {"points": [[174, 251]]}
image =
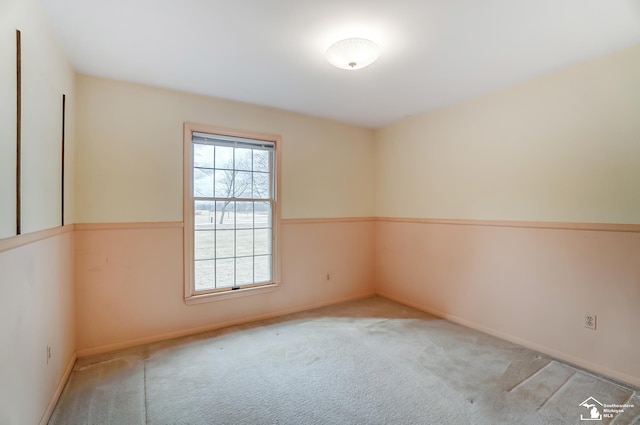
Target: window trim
{"points": [[190, 295]]}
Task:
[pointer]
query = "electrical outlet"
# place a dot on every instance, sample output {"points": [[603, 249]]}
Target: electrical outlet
{"points": [[48, 353], [590, 321]]}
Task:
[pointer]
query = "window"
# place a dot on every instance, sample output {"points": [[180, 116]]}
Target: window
{"points": [[230, 211]]}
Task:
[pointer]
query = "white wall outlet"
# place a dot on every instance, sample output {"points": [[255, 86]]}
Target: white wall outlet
{"points": [[590, 321]]}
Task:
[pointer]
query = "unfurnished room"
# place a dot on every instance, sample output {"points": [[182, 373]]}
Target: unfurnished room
{"points": [[319, 212]]}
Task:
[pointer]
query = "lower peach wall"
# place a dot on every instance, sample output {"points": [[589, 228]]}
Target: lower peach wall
{"points": [[529, 285], [129, 280], [36, 311]]}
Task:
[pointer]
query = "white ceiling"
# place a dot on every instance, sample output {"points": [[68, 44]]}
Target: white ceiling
{"points": [[271, 52]]}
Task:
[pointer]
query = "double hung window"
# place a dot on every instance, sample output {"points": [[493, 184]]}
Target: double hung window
{"points": [[230, 210]]}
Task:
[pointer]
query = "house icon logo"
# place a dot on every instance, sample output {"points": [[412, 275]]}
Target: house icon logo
{"points": [[595, 410]]}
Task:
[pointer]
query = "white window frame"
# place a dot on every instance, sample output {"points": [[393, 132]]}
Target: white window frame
{"points": [[192, 296]]}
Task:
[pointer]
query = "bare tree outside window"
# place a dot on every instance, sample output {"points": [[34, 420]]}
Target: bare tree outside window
{"points": [[230, 183], [234, 176]]}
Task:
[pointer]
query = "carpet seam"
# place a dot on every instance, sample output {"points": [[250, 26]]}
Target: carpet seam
{"points": [[556, 390], [528, 377], [627, 401], [596, 375]]}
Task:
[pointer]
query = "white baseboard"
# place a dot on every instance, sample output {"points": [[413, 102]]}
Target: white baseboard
{"points": [[219, 325], [576, 361], [58, 391]]}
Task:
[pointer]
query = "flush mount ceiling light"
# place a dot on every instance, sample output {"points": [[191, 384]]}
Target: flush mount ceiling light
{"points": [[353, 53]]}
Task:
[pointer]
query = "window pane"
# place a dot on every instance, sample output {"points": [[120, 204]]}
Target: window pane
{"points": [[224, 273], [204, 215], [204, 245], [261, 186], [262, 268], [244, 242], [224, 183], [244, 270], [262, 243], [202, 182], [243, 159], [224, 157], [242, 184], [261, 160], [262, 214], [225, 214], [204, 275], [244, 215], [225, 243], [202, 156]]}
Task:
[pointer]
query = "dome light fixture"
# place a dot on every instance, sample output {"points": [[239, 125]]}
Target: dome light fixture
{"points": [[353, 53]]}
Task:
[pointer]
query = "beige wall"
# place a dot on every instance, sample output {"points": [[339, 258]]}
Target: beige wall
{"points": [[36, 268], [46, 76], [561, 148], [558, 148], [129, 158], [8, 118]]}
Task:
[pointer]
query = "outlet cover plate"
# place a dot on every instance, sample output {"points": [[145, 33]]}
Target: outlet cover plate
{"points": [[590, 321]]}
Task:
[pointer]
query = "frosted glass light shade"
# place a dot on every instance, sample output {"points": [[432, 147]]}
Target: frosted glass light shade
{"points": [[353, 53]]}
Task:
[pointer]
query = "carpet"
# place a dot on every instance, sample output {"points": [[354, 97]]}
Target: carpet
{"points": [[371, 361]]}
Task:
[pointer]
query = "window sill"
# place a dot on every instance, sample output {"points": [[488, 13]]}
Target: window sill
{"points": [[226, 295]]}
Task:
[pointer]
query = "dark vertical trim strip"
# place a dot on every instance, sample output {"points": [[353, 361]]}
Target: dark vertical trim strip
{"points": [[64, 101], [18, 127]]}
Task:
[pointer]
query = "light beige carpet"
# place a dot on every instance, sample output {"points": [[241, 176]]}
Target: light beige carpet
{"points": [[371, 361]]}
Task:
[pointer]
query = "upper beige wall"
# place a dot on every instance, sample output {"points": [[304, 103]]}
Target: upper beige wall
{"points": [[129, 157], [564, 147], [46, 76], [8, 122]]}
